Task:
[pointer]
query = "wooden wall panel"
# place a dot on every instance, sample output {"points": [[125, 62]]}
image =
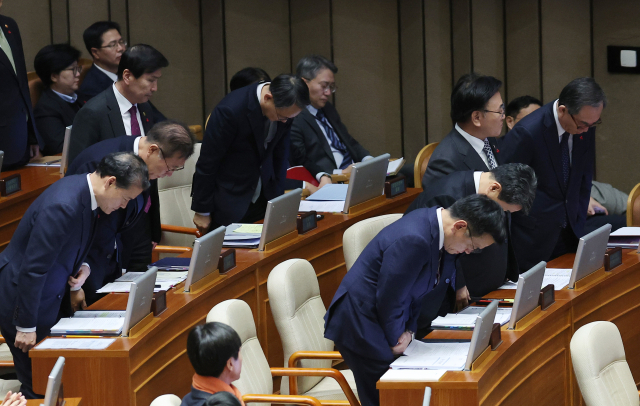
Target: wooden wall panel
{"points": [[488, 37], [310, 30], [83, 13], [213, 54], [366, 50], [32, 17], [118, 12], [462, 52], [522, 49], [60, 23]]}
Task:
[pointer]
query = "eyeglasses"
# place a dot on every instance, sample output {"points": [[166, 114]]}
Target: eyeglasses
{"points": [[76, 70], [114, 44], [585, 125], [501, 111], [474, 250], [165, 162], [328, 86]]}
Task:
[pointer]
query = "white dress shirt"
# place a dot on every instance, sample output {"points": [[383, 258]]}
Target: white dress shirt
{"points": [[476, 179], [439, 216], [124, 106], [111, 75], [476, 143], [562, 131]]}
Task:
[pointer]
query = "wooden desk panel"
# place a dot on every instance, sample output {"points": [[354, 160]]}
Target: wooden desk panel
{"points": [[67, 402]]}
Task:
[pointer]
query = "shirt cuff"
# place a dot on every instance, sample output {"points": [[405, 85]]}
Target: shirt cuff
{"points": [[366, 158], [321, 174], [26, 330], [204, 214], [337, 171]]}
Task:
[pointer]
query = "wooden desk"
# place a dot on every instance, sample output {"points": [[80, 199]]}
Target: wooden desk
{"points": [[67, 402], [135, 370], [533, 364], [35, 179]]}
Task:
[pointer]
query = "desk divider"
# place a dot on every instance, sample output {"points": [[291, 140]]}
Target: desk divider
{"points": [[281, 240], [204, 283], [148, 319], [360, 207], [591, 278], [475, 365], [526, 320]]}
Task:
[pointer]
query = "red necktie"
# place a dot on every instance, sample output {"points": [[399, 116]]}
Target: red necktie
{"points": [[135, 127]]}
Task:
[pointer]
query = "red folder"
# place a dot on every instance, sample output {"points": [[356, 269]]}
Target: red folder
{"points": [[301, 173]]}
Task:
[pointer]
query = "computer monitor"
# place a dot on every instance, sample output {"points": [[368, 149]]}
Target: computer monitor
{"points": [[64, 161], [527, 293], [281, 217], [590, 254], [140, 295], [53, 384], [366, 181], [205, 256], [481, 333]]}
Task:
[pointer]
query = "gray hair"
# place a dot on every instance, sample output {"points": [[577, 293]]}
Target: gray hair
{"points": [[582, 92], [128, 169], [309, 66], [173, 137]]}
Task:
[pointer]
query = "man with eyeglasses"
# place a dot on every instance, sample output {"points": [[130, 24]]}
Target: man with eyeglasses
{"points": [[245, 149], [123, 242], [319, 140], [558, 142]]}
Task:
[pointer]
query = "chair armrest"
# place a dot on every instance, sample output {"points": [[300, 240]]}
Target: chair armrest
{"points": [[181, 230], [326, 372], [197, 131], [6, 364], [301, 400], [2, 340], [300, 355]]}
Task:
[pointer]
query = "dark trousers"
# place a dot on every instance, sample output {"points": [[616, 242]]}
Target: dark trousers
{"points": [[256, 211], [138, 243], [21, 360], [366, 372], [567, 242]]}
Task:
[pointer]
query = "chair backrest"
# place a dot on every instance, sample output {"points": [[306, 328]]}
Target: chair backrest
{"points": [[360, 234], [166, 400], [298, 311], [420, 166], [255, 377], [175, 201], [601, 367], [36, 87], [633, 207]]}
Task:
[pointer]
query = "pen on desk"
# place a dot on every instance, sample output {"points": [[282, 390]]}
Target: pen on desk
{"points": [[52, 162]]}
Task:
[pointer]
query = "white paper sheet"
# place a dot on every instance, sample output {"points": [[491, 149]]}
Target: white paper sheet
{"points": [[75, 343], [394, 166], [626, 232], [99, 313], [466, 319], [559, 277], [323, 207], [449, 356], [117, 287], [87, 325], [332, 192], [404, 375]]}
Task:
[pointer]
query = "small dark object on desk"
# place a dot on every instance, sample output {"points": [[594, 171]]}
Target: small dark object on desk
{"points": [[227, 260], [10, 184], [395, 186], [159, 302], [307, 221], [547, 297], [612, 258]]}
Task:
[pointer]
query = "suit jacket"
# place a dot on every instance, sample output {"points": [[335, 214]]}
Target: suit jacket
{"points": [[53, 115], [17, 128], [233, 158], [100, 119], [309, 146], [454, 154], [48, 246], [534, 141], [381, 296], [483, 272]]}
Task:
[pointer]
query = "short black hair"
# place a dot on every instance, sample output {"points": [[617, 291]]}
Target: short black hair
{"points": [[93, 35], [309, 66], [247, 76], [472, 93], [582, 92], [288, 90], [518, 183], [52, 59], [209, 347], [173, 137], [140, 59], [222, 398], [519, 103], [483, 216], [128, 168]]}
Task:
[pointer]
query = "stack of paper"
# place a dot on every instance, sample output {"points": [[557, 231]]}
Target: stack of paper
{"points": [[329, 198], [558, 277], [395, 166], [171, 264], [165, 280], [88, 326], [75, 343], [242, 235], [466, 319], [450, 356], [401, 375], [625, 237]]}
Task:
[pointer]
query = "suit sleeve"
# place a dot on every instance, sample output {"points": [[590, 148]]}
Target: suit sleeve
{"points": [[84, 132], [218, 137], [398, 273], [299, 154], [585, 186], [438, 166], [51, 127], [281, 160], [154, 213]]}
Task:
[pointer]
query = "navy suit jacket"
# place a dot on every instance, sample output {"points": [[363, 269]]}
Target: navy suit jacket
{"points": [[381, 296], [233, 158], [16, 132], [534, 141], [100, 119], [195, 398], [48, 246], [454, 154], [53, 116], [309, 146]]}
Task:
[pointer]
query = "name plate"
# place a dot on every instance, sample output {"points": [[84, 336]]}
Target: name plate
{"points": [[227, 260], [306, 221], [547, 297], [11, 184], [612, 258], [395, 186]]}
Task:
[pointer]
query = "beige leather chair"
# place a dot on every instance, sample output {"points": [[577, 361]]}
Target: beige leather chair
{"points": [[601, 367], [166, 400], [298, 311], [360, 234], [420, 165], [256, 376]]}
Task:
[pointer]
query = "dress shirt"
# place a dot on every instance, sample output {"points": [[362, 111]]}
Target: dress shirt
{"points": [[111, 75], [476, 143], [136, 143], [6, 48], [66, 97], [125, 106], [439, 216], [476, 179], [561, 130]]}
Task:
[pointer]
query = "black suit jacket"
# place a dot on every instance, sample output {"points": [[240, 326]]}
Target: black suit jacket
{"points": [[16, 132], [483, 272], [534, 141], [53, 116], [233, 158], [454, 154], [100, 119], [309, 146]]}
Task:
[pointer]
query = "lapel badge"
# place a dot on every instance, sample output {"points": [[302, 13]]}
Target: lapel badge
{"points": [[147, 120], [9, 32], [6, 26], [144, 114], [497, 150], [581, 137]]}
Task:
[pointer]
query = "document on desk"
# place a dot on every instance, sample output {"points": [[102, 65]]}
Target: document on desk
{"points": [[240, 235], [625, 237], [558, 277], [394, 166], [93, 326], [75, 343], [331, 192], [321, 206], [99, 313], [466, 319], [407, 375], [450, 356]]}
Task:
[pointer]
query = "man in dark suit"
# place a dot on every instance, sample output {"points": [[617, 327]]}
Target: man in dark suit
{"points": [[45, 256], [164, 150], [243, 161], [376, 307], [513, 187], [319, 140], [19, 139], [122, 108], [558, 142], [477, 112]]}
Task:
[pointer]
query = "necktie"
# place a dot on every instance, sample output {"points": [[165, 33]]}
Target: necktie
{"points": [[135, 127], [487, 151], [335, 141], [7, 49], [566, 168]]}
